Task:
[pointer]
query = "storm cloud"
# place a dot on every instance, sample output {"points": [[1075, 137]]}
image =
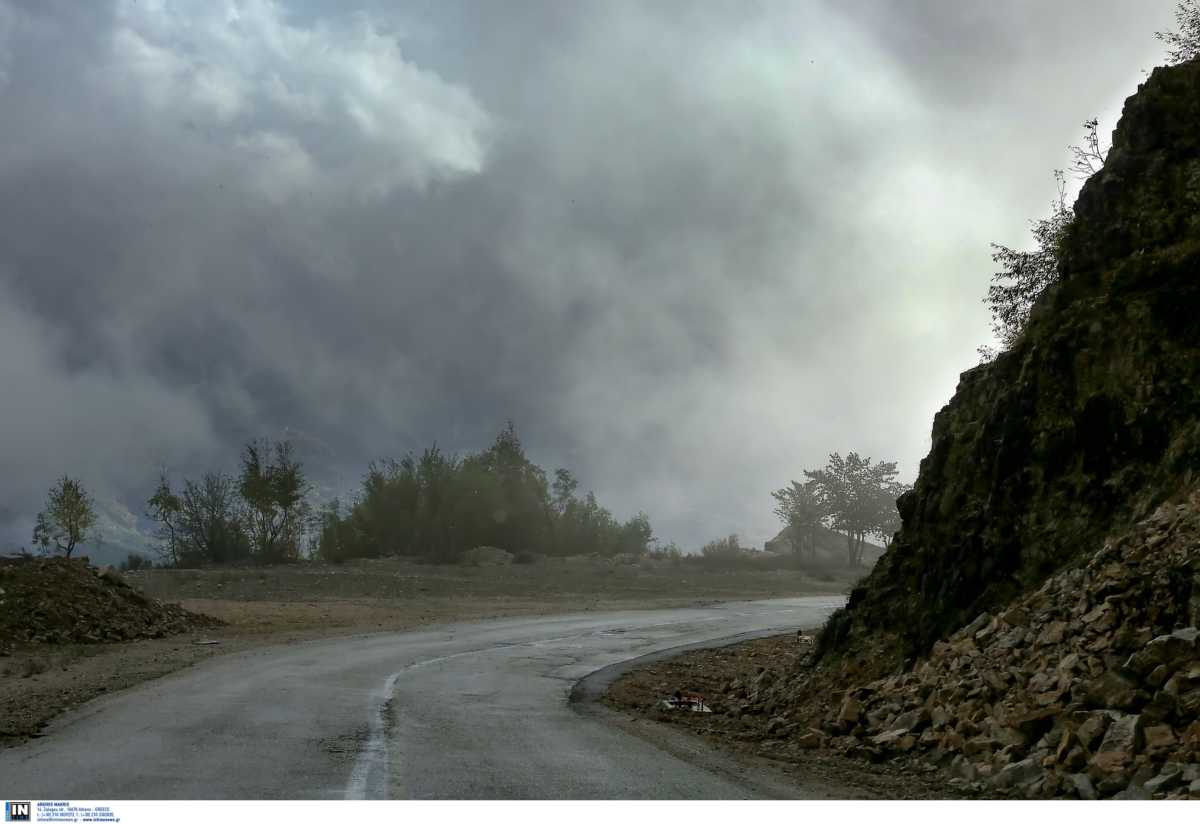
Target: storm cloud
{"points": [[689, 248]]}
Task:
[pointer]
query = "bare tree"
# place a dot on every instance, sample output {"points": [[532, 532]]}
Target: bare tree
{"points": [[67, 520], [1088, 157], [1183, 45]]}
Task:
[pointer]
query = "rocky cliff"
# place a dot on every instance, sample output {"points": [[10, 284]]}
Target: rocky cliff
{"points": [[1086, 425]]}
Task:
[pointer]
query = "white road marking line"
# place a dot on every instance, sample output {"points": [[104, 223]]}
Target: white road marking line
{"points": [[374, 759]]}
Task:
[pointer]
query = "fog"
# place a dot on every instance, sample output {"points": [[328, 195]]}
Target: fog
{"points": [[689, 248]]}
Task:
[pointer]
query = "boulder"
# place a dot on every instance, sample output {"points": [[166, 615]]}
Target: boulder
{"points": [[1168, 651], [1018, 774], [1124, 736], [850, 713], [911, 721], [1159, 739], [1092, 730], [811, 740], [1083, 786], [1134, 792], [1164, 781], [1111, 690]]}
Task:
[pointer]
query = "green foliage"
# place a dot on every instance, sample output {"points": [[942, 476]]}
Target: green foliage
{"points": [[438, 506], [1183, 45], [1025, 275], [803, 513], [133, 562], [273, 487], [858, 497], [67, 520], [261, 515], [166, 510], [212, 522]]}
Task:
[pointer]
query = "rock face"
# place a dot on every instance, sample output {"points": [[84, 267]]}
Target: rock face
{"points": [[1087, 686], [55, 600], [1085, 426]]}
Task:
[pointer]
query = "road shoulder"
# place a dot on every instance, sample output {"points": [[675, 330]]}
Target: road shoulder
{"points": [[627, 695]]}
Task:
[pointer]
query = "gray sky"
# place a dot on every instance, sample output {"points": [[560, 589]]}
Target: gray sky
{"points": [[690, 248]]}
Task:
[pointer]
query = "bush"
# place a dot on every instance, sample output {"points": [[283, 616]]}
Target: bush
{"points": [[133, 562]]}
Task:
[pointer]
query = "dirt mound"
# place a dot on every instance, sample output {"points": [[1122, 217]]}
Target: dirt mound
{"points": [[1088, 687], [55, 600]]}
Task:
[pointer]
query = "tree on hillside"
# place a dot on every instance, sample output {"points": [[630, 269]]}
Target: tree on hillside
{"points": [[800, 508], [1024, 276], [273, 487], [68, 519], [1183, 45], [851, 490]]}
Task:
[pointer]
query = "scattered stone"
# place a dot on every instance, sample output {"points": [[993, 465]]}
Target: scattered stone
{"points": [[1083, 786], [1018, 774]]}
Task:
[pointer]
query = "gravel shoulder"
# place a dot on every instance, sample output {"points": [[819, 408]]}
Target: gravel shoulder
{"points": [[766, 744]]}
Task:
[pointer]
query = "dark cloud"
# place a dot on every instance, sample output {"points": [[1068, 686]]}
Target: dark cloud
{"points": [[689, 247]]}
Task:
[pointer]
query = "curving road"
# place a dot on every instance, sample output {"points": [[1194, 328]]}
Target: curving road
{"points": [[473, 710]]}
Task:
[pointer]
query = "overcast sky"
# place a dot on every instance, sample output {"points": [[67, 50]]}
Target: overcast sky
{"points": [[689, 248]]}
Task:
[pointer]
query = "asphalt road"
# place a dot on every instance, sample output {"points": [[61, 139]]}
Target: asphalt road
{"points": [[472, 710]]}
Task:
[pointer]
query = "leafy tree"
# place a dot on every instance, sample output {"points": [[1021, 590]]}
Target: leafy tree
{"points": [[723, 549], [337, 540], [211, 522], [1025, 275], [68, 519], [852, 490], [134, 562], [564, 488], [1183, 45], [635, 536], [437, 506], [803, 514], [166, 510], [888, 517], [273, 487]]}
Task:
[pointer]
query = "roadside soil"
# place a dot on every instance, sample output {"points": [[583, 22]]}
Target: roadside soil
{"points": [[282, 605], [714, 673]]}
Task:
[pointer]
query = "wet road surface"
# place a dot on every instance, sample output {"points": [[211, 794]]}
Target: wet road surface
{"points": [[472, 710]]}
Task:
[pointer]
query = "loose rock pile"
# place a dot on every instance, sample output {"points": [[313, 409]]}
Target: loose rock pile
{"points": [[55, 600], [1088, 687]]}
